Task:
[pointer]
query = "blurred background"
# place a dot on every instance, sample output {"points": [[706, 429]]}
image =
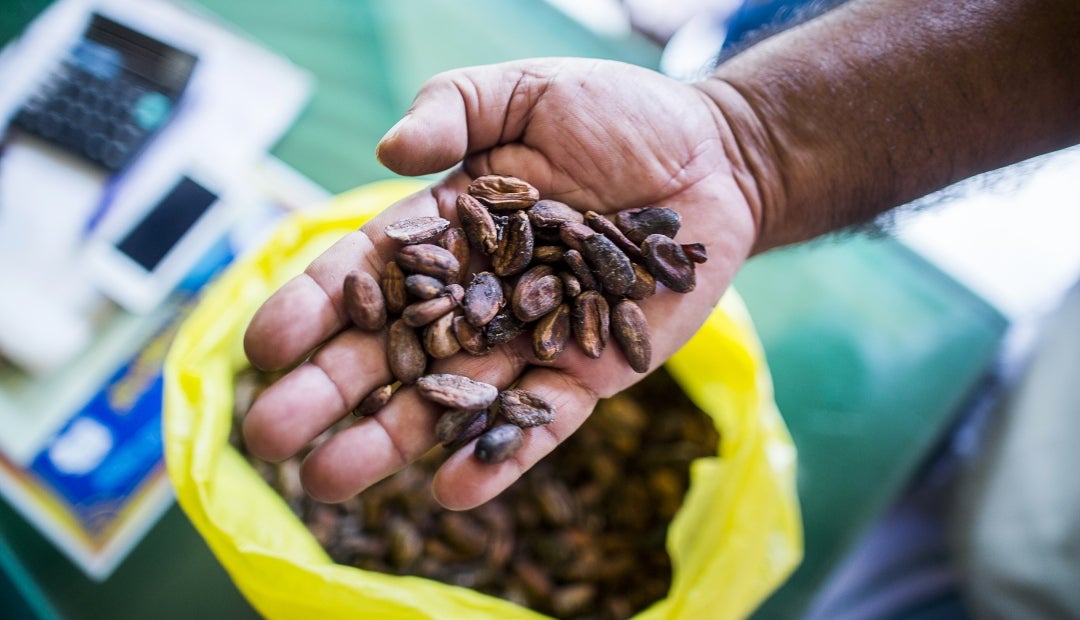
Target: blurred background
{"points": [[148, 143]]}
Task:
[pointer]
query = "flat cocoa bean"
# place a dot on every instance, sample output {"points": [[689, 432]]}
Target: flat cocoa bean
{"points": [[644, 283], [483, 299], [576, 262], [470, 338], [538, 292], [454, 423], [499, 443], [637, 224], [423, 287], [605, 227], [405, 353], [457, 243], [439, 339], [420, 313], [552, 213], [574, 234], [609, 264], [668, 263], [590, 321], [393, 287], [503, 328], [374, 401], [478, 223], [456, 391], [430, 260], [570, 284], [524, 408], [696, 252], [503, 193], [416, 229], [364, 301], [515, 249], [551, 333], [631, 331]]}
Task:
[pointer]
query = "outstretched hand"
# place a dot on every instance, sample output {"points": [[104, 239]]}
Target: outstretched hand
{"points": [[594, 134]]}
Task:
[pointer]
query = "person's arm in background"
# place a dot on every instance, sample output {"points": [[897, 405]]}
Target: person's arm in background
{"points": [[880, 102], [825, 125]]}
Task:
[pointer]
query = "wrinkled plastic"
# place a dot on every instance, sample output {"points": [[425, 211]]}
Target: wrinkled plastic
{"points": [[734, 541]]}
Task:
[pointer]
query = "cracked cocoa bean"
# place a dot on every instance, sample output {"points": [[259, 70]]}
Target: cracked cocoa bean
{"points": [[514, 251]]}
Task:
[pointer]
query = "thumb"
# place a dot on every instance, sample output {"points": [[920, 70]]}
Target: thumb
{"points": [[464, 111]]}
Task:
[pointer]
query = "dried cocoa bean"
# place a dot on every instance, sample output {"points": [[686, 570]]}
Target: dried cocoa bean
{"points": [[574, 234], [552, 214], [478, 223], [499, 443], [405, 353], [552, 333], [637, 224], [644, 284], [456, 391], [393, 287], [514, 251], [483, 299], [631, 331], [439, 339], [364, 301], [456, 242], [570, 284], [430, 260], [538, 292], [524, 408], [416, 229], [420, 313], [374, 401], [576, 262], [666, 260], [457, 427], [503, 328], [590, 321], [423, 287], [548, 253], [470, 338], [503, 193], [610, 265], [604, 226], [696, 252]]}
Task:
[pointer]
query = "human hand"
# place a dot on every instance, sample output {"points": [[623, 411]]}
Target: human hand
{"points": [[597, 135]]}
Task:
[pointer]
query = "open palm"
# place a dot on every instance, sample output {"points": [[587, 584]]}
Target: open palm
{"points": [[597, 135]]}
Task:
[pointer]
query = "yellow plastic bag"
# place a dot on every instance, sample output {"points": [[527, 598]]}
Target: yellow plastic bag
{"points": [[736, 538]]}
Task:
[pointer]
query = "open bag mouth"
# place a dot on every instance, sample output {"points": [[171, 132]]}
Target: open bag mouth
{"points": [[735, 538]]}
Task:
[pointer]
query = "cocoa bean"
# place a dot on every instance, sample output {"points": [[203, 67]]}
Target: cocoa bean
{"points": [[364, 301], [483, 299], [499, 443], [574, 234], [538, 292], [457, 243], [375, 400], [610, 265], [503, 328], [570, 284], [576, 262], [393, 287], [470, 338], [423, 287], [631, 331], [420, 313], [430, 260], [457, 427], [405, 353], [478, 223], [548, 253], [524, 408], [696, 252], [668, 263], [456, 391], [416, 229], [637, 224], [514, 251], [590, 322], [552, 214], [552, 333], [439, 339], [644, 284], [604, 226], [503, 193]]}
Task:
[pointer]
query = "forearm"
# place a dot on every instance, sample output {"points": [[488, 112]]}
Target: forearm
{"points": [[882, 101]]}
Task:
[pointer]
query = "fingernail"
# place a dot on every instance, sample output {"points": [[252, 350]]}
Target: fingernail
{"points": [[390, 135]]}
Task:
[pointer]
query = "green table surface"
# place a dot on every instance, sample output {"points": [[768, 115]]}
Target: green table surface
{"points": [[871, 349]]}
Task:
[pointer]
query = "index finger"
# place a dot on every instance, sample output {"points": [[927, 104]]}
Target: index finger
{"points": [[310, 308]]}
